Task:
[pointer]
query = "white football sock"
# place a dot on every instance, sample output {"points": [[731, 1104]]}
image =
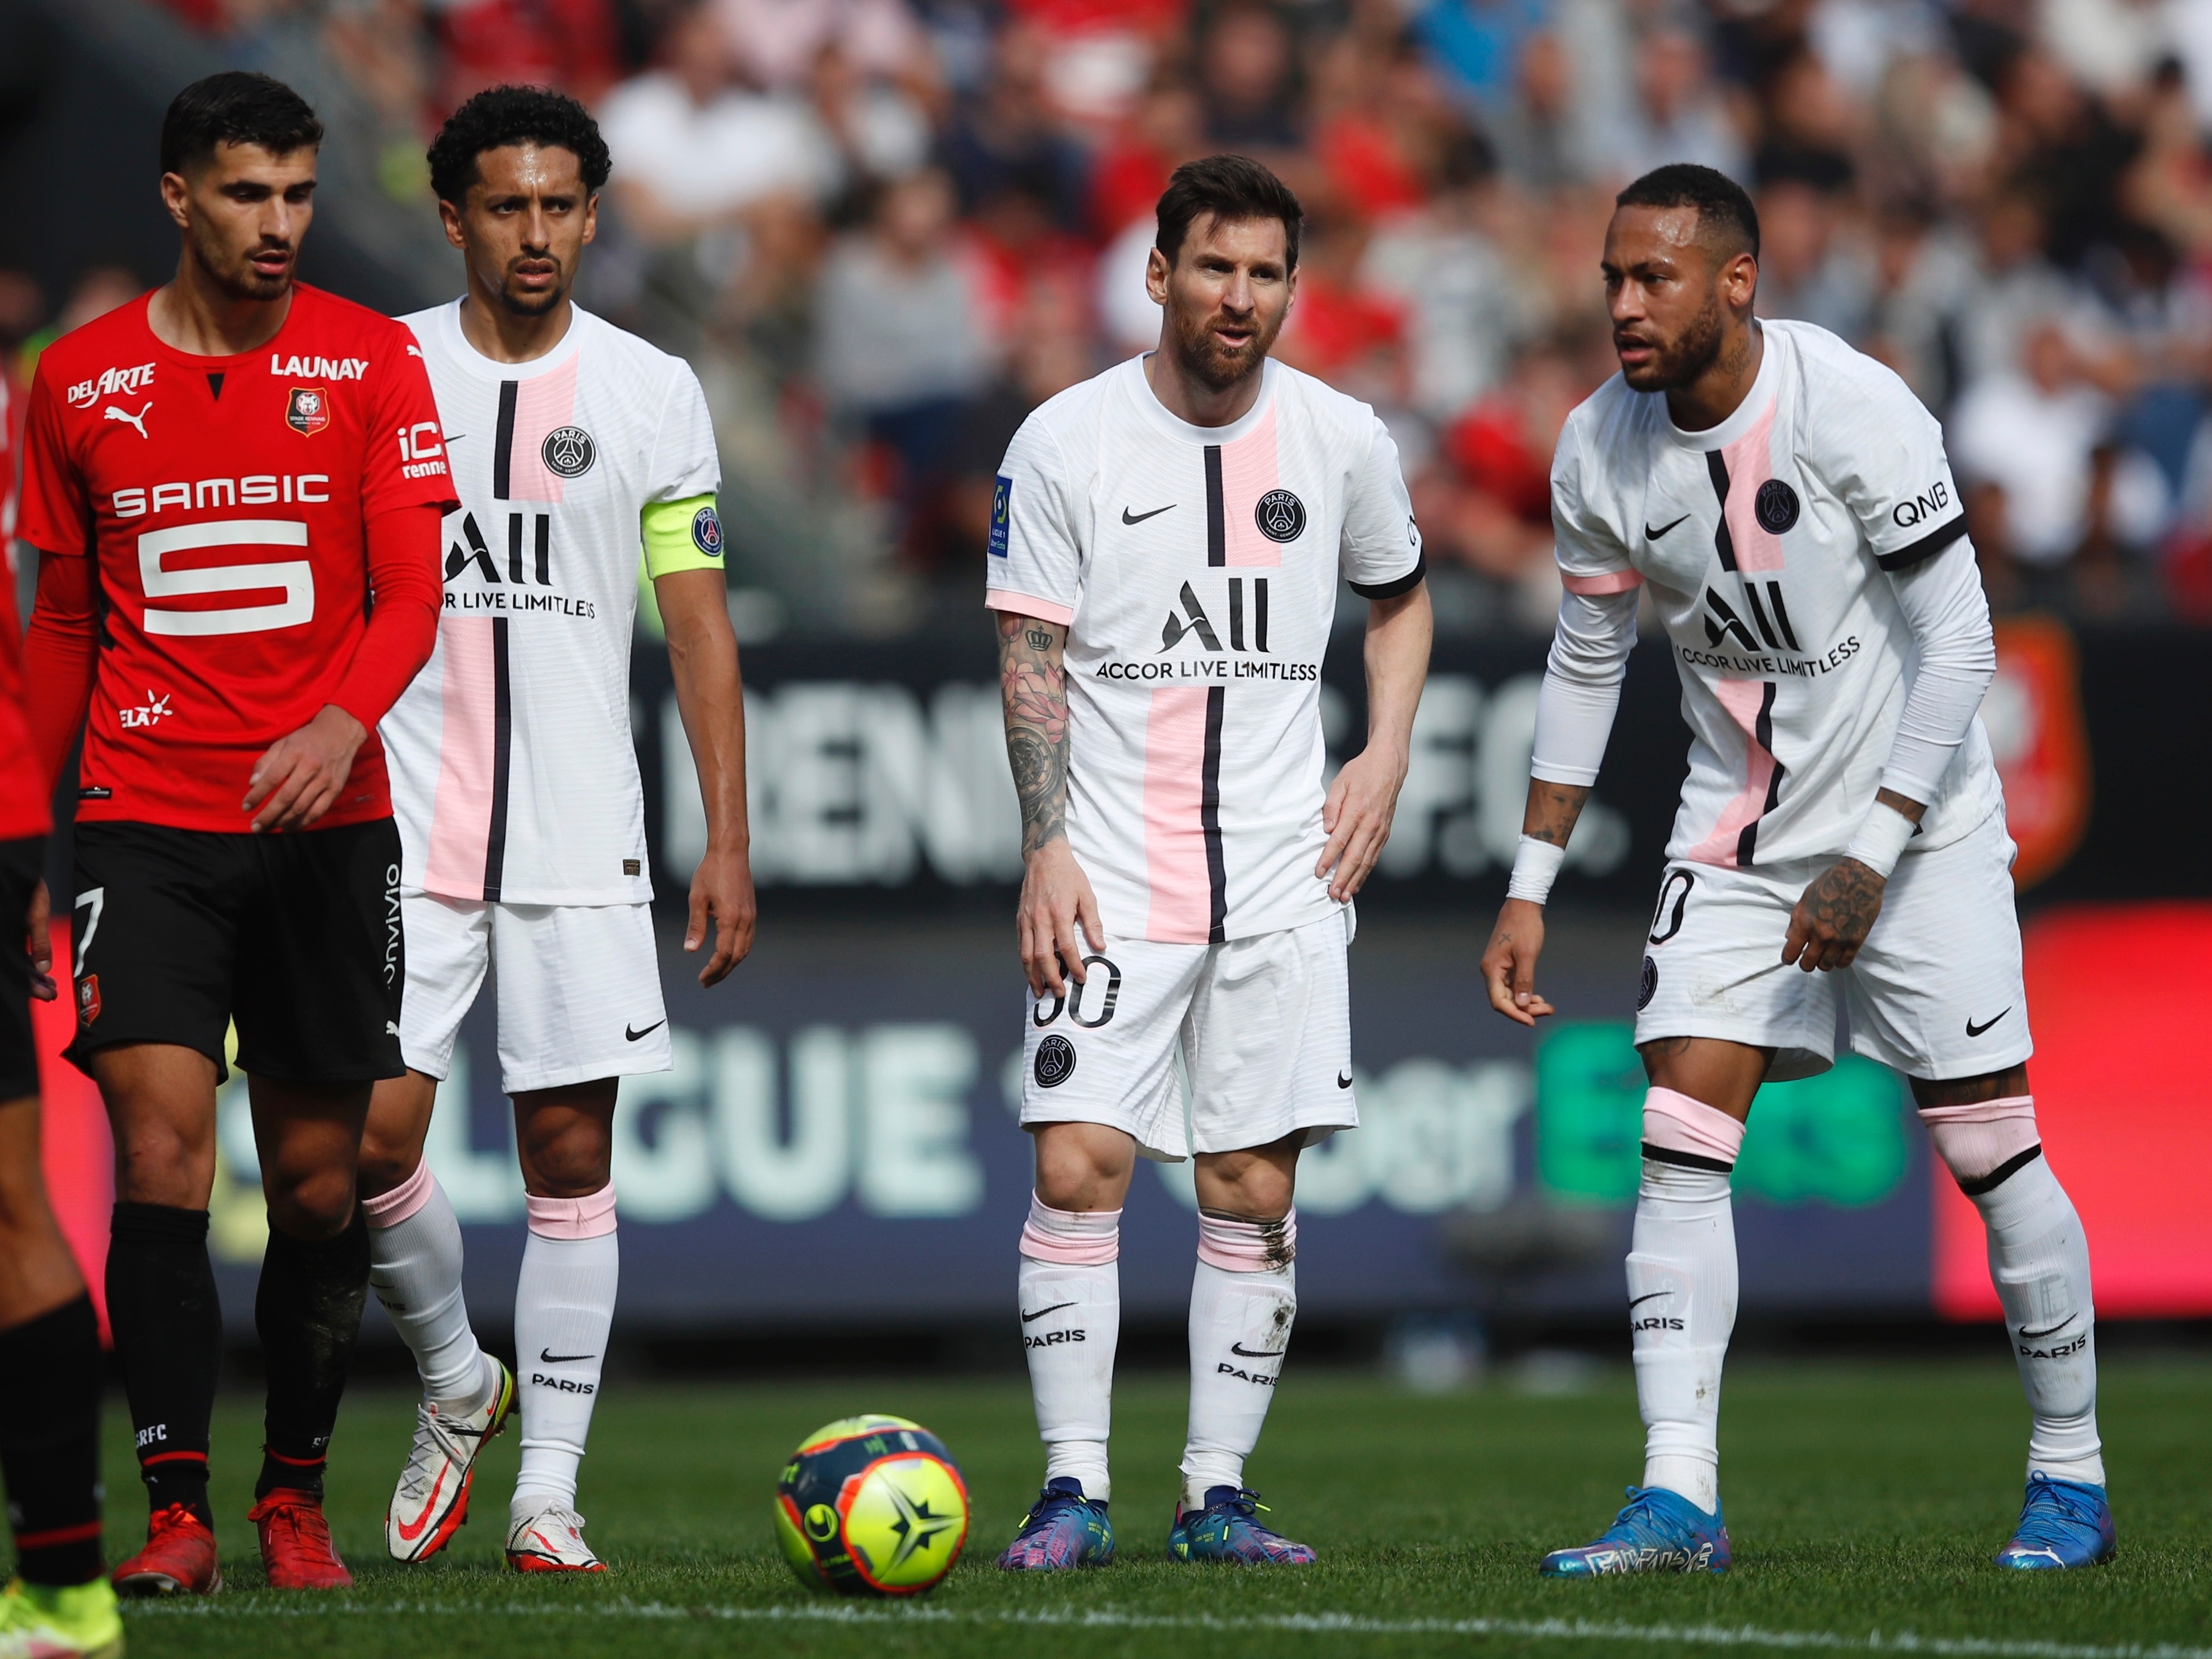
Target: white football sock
{"points": [[564, 1304], [1242, 1303], [2040, 1263], [414, 1266], [1682, 1290], [1070, 1286]]}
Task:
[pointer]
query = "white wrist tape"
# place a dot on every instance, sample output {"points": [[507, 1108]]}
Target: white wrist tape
{"points": [[1536, 867], [1881, 838]]}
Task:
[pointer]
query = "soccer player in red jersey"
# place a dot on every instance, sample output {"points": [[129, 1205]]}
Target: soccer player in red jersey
{"points": [[50, 1363], [251, 475]]}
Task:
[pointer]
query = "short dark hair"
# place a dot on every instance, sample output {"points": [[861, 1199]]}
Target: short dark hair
{"points": [[1228, 187], [503, 115], [1725, 213], [237, 106]]}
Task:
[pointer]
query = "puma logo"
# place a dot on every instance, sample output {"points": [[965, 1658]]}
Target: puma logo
{"points": [[137, 420]]}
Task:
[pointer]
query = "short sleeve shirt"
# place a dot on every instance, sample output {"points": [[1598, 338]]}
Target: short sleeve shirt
{"points": [[1768, 543], [226, 501], [1196, 569]]}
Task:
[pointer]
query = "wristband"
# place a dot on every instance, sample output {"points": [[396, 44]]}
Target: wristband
{"points": [[1536, 867], [1881, 838]]}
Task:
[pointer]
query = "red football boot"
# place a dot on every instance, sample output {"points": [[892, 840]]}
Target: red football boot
{"points": [[179, 1559], [296, 1550]]}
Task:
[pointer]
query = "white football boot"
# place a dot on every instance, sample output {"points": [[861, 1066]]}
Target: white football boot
{"points": [[549, 1537], [431, 1502]]}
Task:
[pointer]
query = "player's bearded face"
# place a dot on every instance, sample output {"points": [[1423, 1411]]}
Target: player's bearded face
{"points": [[524, 226], [1225, 298], [1678, 360], [1671, 296], [244, 212]]}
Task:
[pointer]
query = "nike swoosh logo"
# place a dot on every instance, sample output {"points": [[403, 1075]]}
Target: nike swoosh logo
{"points": [[1128, 517], [1646, 1297], [1343, 1080], [2029, 1336], [648, 1031], [1973, 1030], [1651, 534], [547, 1356], [1041, 1312], [1255, 1353], [409, 1535]]}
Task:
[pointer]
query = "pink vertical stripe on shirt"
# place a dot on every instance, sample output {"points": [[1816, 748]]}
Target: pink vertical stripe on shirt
{"points": [[1750, 462], [541, 405], [1181, 889], [460, 811], [1741, 698], [1249, 468]]}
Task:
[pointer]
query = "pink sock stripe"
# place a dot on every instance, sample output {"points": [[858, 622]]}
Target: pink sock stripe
{"points": [[2011, 1109], [1248, 1247], [1071, 1238], [406, 1199], [1980, 1137], [1674, 1122], [592, 1216]]}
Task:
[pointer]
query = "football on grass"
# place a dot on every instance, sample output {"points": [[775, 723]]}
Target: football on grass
{"points": [[871, 1506]]}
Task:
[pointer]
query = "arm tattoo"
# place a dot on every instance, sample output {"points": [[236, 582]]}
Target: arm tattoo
{"points": [[1553, 810], [1847, 898], [1033, 685]]}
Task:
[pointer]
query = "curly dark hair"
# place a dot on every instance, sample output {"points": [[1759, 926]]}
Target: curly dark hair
{"points": [[237, 106], [499, 116]]}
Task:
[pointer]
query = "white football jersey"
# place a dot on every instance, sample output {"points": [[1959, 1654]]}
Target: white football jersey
{"points": [[513, 775], [1767, 541], [1195, 567]]}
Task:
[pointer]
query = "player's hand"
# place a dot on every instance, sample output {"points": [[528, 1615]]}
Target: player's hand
{"points": [[298, 778], [40, 945], [1833, 918], [722, 888], [1056, 900], [1509, 962], [1357, 816]]}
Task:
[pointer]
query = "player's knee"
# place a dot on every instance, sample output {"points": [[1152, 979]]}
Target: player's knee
{"points": [[573, 1163], [386, 1163], [316, 1205]]}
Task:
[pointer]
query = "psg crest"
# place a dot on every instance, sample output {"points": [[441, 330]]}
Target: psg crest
{"points": [[1055, 1061], [308, 410], [1280, 515], [567, 452], [1775, 506], [706, 531]]}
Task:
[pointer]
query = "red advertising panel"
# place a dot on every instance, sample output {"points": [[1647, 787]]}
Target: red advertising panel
{"points": [[2120, 996]]}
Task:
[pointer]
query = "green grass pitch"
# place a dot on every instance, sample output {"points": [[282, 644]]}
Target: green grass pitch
{"points": [[1865, 1501]]}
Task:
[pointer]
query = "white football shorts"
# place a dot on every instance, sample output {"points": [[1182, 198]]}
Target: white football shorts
{"points": [[1260, 1027], [1937, 990], [579, 988]]}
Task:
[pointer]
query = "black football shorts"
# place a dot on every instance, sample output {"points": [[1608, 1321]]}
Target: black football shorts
{"points": [[295, 936], [20, 862]]}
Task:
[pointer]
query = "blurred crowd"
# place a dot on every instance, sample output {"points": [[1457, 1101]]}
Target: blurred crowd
{"points": [[883, 230]]}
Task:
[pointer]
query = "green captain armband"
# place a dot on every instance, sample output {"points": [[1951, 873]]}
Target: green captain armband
{"points": [[681, 536]]}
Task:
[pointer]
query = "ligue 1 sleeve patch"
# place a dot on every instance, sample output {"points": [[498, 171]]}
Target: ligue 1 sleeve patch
{"points": [[1002, 514], [308, 411], [706, 531]]}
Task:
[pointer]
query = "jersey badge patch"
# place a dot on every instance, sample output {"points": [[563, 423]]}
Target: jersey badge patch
{"points": [[88, 998], [1280, 515], [706, 531], [1002, 514], [1775, 506], [308, 411], [1055, 1061], [567, 452]]}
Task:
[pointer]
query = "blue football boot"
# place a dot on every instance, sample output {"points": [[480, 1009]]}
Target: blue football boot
{"points": [[1658, 1532], [1065, 1529], [1228, 1529], [2064, 1523]]}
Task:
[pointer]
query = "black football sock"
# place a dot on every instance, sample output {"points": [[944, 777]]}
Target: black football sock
{"points": [[167, 1322], [50, 1374], [308, 1311]]}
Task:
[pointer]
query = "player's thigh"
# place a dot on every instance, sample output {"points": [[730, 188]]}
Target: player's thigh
{"points": [[20, 862], [1937, 990], [1105, 1052], [1268, 1040], [155, 930], [1713, 967], [322, 967], [448, 947], [579, 995]]}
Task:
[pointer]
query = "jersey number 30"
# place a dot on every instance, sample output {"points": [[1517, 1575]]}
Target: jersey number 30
{"points": [[296, 577]]}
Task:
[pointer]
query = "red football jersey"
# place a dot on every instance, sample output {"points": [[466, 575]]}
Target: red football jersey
{"points": [[225, 499], [22, 795]]}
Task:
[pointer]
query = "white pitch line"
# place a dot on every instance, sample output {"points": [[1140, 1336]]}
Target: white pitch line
{"points": [[1344, 1624]]}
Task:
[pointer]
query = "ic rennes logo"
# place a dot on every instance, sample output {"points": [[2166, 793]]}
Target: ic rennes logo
{"points": [[308, 411]]}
